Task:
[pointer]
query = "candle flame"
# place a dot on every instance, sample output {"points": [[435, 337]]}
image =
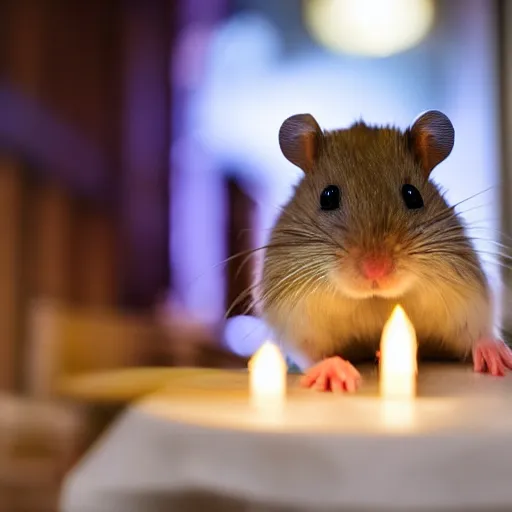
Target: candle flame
{"points": [[398, 363], [267, 376]]}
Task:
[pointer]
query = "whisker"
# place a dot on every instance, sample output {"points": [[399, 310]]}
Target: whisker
{"points": [[240, 298], [276, 286], [495, 254], [473, 196], [501, 234]]}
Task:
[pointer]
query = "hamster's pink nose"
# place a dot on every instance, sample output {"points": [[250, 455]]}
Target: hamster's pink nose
{"points": [[376, 267]]}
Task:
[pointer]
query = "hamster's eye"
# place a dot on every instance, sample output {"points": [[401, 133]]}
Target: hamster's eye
{"points": [[412, 197], [330, 198]]}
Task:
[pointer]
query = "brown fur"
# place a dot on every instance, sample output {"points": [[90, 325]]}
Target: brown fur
{"points": [[312, 294]]}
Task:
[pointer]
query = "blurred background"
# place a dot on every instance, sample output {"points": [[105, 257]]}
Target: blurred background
{"points": [[139, 151]]}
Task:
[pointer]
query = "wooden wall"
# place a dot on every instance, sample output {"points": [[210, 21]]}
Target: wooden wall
{"points": [[84, 150]]}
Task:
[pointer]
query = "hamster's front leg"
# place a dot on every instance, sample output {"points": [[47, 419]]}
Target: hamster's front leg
{"points": [[332, 374], [491, 355]]}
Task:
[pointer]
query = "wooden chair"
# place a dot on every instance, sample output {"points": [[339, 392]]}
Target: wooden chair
{"points": [[65, 341]]}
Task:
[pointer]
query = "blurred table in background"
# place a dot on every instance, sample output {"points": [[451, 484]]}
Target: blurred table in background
{"points": [[70, 348], [123, 386]]}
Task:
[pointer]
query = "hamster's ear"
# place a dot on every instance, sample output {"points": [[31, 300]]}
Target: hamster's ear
{"points": [[431, 138], [300, 138]]}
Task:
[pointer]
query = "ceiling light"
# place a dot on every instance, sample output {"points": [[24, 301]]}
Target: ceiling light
{"points": [[373, 28]]}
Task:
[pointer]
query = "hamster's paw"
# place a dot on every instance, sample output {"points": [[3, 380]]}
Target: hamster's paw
{"points": [[332, 374], [492, 356]]}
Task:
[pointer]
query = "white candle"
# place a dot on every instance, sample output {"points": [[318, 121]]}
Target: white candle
{"points": [[398, 357], [267, 377]]}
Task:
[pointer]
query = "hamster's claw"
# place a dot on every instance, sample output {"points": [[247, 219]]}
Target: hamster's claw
{"points": [[492, 356], [332, 374]]}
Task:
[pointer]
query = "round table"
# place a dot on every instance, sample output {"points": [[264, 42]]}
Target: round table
{"points": [[199, 445]]}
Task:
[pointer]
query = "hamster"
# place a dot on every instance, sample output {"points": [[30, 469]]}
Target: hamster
{"points": [[365, 230]]}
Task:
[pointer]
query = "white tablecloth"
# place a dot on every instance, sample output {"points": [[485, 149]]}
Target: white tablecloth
{"points": [[457, 458]]}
